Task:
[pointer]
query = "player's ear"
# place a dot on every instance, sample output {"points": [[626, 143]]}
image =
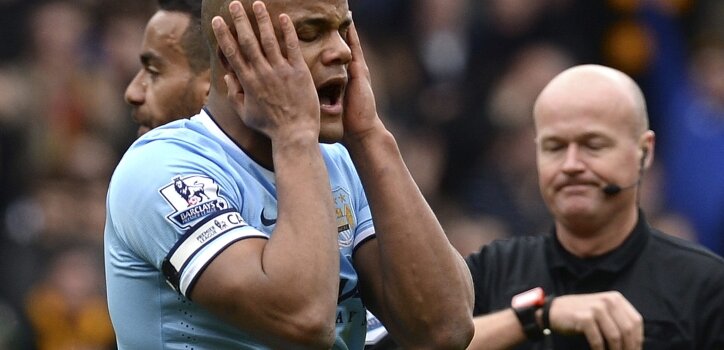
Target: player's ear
{"points": [[205, 83], [231, 82]]}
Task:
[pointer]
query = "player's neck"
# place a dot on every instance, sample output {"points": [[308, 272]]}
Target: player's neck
{"points": [[255, 144]]}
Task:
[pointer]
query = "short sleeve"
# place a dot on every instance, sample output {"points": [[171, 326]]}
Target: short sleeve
{"points": [[175, 209]]}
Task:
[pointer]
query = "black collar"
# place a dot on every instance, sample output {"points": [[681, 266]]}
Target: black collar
{"points": [[613, 261]]}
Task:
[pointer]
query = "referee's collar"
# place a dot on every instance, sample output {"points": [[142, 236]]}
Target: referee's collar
{"points": [[613, 261]]}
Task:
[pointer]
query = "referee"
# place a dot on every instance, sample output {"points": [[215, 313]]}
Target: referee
{"points": [[603, 278]]}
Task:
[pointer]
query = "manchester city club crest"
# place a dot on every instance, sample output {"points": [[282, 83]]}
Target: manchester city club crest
{"points": [[192, 198], [345, 217]]}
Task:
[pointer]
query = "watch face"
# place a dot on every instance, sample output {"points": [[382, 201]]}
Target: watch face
{"points": [[533, 297]]}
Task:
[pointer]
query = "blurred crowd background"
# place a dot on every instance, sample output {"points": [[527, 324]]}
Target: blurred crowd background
{"points": [[455, 80]]}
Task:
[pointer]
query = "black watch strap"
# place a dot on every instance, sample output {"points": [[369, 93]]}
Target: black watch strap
{"points": [[546, 312], [526, 316]]}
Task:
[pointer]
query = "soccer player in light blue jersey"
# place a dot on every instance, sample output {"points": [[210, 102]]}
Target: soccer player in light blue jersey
{"points": [[237, 229]]}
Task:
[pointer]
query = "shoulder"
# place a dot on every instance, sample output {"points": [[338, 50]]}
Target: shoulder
{"points": [[511, 248], [335, 152], [182, 137], [687, 262], [506, 267], [179, 144], [676, 248], [169, 180], [694, 273], [163, 161], [508, 255], [338, 161]]}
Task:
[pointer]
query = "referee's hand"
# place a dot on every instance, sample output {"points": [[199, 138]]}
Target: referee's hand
{"points": [[607, 320]]}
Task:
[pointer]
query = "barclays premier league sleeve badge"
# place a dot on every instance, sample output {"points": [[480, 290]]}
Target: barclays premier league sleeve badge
{"points": [[192, 198]]}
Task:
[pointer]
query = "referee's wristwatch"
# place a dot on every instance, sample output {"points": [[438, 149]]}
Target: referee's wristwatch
{"points": [[526, 305]]}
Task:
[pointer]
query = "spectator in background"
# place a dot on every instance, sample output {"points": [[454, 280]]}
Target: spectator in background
{"points": [[505, 184], [499, 31], [66, 97], [63, 113], [687, 90], [67, 308], [174, 80], [38, 219], [613, 282], [13, 27]]}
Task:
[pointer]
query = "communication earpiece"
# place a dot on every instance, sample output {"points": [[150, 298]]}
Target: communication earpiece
{"points": [[645, 151], [613, 189]]}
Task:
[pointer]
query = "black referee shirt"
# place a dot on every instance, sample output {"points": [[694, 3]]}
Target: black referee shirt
{"points": [[677, 286]]}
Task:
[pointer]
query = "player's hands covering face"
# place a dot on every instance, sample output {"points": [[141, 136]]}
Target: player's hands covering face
{"points": [[360, 108], [273, 94]]}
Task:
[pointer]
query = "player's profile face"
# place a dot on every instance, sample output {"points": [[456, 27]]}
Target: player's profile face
{"points": [[165, 88]]}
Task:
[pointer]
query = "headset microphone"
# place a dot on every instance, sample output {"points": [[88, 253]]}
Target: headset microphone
{"points": [[613, 189]]}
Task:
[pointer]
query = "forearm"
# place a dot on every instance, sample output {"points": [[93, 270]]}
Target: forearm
{"points": [[302, 255], [284, 289], [500, 330], [420, 270]]}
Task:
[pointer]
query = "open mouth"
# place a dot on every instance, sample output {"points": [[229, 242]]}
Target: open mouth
{"points": [[330, 96]]}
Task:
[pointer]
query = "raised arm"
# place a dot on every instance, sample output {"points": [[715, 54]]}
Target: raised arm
{"points": [[283, 290], [411, 277]]}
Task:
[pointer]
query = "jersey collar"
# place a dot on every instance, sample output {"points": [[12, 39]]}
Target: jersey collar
{"points": [[204, 117], [613, 262], [207, 120]]}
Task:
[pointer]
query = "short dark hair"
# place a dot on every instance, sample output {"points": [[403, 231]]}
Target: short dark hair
{"points": [[192, 41]]}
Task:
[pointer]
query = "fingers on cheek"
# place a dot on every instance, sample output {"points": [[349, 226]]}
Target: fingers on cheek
{"points": [[228, 49], [232, 85], [229, 85]]}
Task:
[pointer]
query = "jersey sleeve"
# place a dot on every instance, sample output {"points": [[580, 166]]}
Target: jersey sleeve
{"points": [[365, 229], [176, 209]]}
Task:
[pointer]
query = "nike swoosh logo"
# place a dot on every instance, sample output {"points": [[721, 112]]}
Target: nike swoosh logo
{"points": [[265, 221]]}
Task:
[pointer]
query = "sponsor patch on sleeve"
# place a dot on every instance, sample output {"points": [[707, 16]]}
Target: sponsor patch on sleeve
{"points": [[201, 244], [192, 198]]}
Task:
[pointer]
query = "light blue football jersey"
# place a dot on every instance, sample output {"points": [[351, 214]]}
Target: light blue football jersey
{"points": [[183, 193]]}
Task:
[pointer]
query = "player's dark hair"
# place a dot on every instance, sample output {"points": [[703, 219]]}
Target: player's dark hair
{"points": [[192, 41]]}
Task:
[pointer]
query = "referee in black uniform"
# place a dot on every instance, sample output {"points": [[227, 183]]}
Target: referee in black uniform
{"points": [[603, 278]]}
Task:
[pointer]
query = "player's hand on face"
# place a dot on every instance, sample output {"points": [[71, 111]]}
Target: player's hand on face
{"points": [[272, 93], [607, 320], [360, 108]]}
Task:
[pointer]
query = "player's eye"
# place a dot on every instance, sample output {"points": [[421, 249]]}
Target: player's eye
{"points": [[152, 71], [307, 34]]}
